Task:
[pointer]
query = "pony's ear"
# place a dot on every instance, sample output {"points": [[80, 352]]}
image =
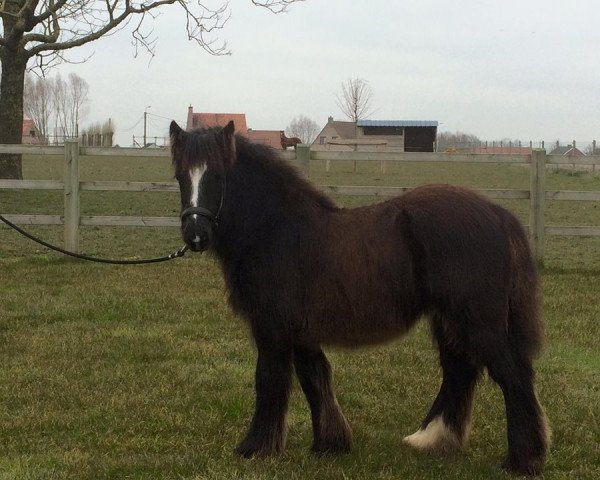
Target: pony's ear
{"points": [[174, 130], [229, 143]]}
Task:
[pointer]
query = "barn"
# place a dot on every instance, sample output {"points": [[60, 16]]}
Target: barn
{"points": [[378, 135]]}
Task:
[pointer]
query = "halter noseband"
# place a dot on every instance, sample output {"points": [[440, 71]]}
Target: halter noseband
{"points": [[205, 212]]}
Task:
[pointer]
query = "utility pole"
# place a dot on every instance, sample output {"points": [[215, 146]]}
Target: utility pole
{"points": [[145, 115]]}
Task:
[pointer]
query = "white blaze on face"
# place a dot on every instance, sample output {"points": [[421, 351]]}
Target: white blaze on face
{"points": [[196, 177]]}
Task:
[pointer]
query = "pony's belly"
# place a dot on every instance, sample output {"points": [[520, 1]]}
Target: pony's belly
{"points": [[355, 332]]}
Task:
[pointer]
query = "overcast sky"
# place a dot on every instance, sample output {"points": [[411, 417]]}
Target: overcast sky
{"points": [[516, 69]]}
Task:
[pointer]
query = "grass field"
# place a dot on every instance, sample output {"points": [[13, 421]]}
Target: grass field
{"points": [[142, 372]]}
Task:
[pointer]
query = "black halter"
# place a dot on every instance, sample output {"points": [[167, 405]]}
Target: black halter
{"points": [[205, 212]]}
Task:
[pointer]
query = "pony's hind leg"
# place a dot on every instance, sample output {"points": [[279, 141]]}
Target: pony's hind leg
{"points": [[446, 426], [266, 435], [331, 432], [527, 426]]}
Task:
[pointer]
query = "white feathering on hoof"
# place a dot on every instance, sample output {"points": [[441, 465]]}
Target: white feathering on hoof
{"points": [[436, 436]]}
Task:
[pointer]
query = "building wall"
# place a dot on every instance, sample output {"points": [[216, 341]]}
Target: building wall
{"points": [[393, 141]]}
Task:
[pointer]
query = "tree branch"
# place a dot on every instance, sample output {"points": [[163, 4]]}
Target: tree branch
{"points": [[52, 10], [276, 6], [64, 24]]}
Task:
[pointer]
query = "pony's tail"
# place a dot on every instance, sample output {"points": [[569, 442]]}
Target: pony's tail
{"points": [[525, 324]]}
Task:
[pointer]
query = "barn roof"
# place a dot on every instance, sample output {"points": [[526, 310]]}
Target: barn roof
{"points": [[397, 123]]}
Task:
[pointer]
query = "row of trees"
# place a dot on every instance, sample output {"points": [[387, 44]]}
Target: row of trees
{"points": [[98, 134], [56, 105], [468, 141]]}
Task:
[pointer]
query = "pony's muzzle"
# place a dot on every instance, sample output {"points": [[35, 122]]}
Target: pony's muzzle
{"points": [[197, 232], [197, 229]]}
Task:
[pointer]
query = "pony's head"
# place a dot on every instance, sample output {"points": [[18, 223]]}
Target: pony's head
{"points": [[201, 159]]}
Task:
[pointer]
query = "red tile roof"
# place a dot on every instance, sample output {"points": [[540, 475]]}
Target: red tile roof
{"points": [[207, 120], [266, 137]]}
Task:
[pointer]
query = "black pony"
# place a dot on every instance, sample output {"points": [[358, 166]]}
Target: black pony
{"points": [[304, 273]]}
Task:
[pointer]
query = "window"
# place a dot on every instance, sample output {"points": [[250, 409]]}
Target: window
{"points": [[321, 140]]}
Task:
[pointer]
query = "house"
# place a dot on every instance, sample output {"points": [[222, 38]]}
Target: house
{"points": [[266, 137], [31, 134], [207, 120], [567, 151], [335, 136], [378, 135]]}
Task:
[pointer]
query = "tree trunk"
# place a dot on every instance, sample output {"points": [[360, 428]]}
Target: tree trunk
{"points": [[11, 109]]}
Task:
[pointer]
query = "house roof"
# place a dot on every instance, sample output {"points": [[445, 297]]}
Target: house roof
{"points": [[266, 137], [207, 120], [344, 129], [397, 123], [567, 150]]}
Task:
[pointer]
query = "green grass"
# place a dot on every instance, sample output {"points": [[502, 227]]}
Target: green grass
{"points": [[143, 372]]}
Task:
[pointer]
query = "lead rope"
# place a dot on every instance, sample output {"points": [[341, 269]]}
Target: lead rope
{"points": [[177, 254]]}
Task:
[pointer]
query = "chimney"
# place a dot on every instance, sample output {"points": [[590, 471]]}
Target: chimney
{"points": [[330, 119], [190, 118]]}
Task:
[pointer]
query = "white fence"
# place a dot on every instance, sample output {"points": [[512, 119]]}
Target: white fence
{"points": [[72, 186]]}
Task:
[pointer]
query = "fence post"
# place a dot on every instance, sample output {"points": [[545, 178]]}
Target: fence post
{"points": [[71, 194], [536, 209], [303, 158]]}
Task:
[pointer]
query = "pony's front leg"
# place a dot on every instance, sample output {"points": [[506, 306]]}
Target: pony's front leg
{"points": [[330, 429], [266, 435]]}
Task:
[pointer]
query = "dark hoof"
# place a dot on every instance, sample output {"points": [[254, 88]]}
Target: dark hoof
{"points": [[335, 444], [524, 467], [323, 448], [255, 449]]}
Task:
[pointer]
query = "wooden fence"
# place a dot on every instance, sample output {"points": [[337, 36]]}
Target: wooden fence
{"points": [[72, 186]]}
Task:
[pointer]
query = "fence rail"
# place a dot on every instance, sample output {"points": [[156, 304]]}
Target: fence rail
{"points": [[72, 186]]}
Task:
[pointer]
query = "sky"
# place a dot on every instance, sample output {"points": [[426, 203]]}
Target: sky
{"points": [[516, 69]]}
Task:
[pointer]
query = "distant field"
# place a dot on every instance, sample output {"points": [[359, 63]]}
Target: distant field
{"points": [[144, 373]]}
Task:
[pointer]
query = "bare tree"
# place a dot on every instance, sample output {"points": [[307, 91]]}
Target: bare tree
{"points": [[38, 103], [355, 100], [70, 103], [37, 33], [304, 128]]}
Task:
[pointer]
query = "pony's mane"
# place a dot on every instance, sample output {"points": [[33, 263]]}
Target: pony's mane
{"points": [[263, 158]]}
